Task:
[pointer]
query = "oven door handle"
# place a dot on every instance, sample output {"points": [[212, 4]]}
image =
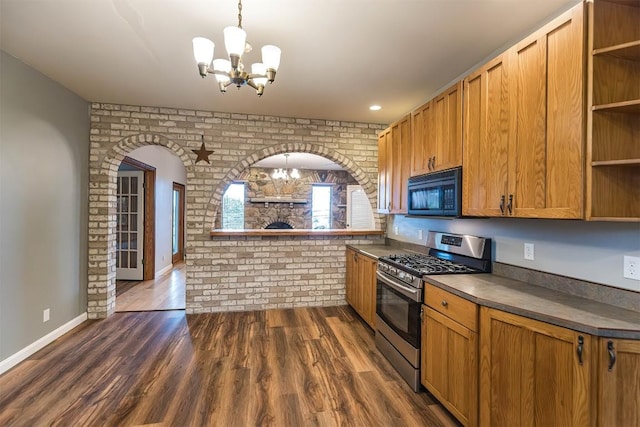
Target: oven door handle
{"points": [[412, 293]]}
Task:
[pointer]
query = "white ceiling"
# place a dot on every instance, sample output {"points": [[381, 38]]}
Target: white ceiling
{"points": [[338, 56]]}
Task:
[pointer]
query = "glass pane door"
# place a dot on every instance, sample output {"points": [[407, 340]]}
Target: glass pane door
{"points": [[130, 220]]}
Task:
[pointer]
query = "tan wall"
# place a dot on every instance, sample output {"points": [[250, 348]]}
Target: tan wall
{"points": [[238, 141]]}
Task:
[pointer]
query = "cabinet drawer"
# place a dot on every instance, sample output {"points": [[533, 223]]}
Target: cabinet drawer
{"points": [[458, 309]]}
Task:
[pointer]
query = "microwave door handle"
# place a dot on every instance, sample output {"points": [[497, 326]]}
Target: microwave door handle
{"points": [[412, 293]]}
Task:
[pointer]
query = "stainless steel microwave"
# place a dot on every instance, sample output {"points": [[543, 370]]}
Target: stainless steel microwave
{"points": [[436, 194]]}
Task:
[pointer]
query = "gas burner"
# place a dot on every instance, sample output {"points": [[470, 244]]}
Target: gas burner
{"points": [[420, 264]]}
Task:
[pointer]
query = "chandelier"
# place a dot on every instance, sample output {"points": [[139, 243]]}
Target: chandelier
{"points": [[284, 174], [232, 71]]}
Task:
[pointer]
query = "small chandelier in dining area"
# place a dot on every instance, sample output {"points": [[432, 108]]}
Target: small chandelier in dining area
{"points": [[232, 71], [284, 174]]}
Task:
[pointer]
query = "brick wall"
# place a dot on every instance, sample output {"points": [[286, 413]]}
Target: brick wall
{"points": [[238, 141]]}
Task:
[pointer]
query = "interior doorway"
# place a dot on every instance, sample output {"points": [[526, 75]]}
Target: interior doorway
{"points": [[145, 228], [177, 223]]}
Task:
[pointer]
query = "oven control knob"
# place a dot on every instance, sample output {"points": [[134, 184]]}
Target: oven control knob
{"points": [[401, 274]]}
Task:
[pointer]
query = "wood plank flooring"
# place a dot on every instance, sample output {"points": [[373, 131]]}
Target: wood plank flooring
{"points": [[167, 292], [296, 367]]}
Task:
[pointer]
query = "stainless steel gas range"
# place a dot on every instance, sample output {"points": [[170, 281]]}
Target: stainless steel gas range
{"points": [[400, 286]]}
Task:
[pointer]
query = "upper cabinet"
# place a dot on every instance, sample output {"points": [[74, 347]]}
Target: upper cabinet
{"points": [[437, 133], [613, 115], [523, 128], [384, 171], [394, 166], [486, 140]]}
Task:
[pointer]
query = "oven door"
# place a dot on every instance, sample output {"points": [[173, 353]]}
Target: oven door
{"points": [[398, 305]]}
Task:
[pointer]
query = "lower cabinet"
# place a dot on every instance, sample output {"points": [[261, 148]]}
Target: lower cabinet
{"points": [[618, 382], [450, 353], [533, 373], [361, 285], [501, 369]]}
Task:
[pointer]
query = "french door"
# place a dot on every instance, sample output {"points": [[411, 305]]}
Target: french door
{"points": [[130, 225], [177, 223]]}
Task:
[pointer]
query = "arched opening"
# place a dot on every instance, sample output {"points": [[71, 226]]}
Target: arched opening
{"points": [[150, 224], [103, 223], [236, 173]]}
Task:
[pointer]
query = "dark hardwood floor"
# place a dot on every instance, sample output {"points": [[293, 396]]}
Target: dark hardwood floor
{"points": [[297, 367]]}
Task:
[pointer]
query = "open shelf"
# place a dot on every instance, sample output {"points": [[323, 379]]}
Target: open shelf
{"points": [[624, 162], [614, 219], [630, 51], [632, 106]]}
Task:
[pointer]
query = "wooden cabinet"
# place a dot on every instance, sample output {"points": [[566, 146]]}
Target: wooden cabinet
{"points": [[546, 164], [449, 365], [394, 166], [618, 382], [361, 285], [533, 373], [486, 139], [524, 138], [384, 171], [613, 114], [437, 133]]}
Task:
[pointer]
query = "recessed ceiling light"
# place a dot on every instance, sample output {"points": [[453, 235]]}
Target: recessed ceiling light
{"points": [[375, 108]]}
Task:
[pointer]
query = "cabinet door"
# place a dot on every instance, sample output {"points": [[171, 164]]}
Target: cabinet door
{"points": [[422, 139], [351, 278], [546, 85], [447, 110], [367, 278], [619, 382], [486, 135], [384, 171], [401, 164], [531, 373], [450, 365]]}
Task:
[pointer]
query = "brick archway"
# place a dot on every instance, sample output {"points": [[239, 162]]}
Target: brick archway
{"points": [[347, 164], [101, 292]]}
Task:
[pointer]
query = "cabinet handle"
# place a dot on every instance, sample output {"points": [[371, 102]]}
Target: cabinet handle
{"points": [[434, 162], [444, 303], [502, 204], [510, 204], [580, 348], [429, 166], [422, 315], [612, 355]]}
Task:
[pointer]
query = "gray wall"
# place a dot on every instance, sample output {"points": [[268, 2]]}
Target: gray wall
{"points": [[583, 250], [44, 157]]}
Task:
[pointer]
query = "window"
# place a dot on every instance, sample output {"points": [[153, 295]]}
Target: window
{"points": [[233, 207], [321, 207]]}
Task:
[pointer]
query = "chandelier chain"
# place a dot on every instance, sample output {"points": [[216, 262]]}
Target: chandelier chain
{"points": [[239, 13]]}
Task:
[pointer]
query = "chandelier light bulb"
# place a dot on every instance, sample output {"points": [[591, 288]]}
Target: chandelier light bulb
{"points": [[234, 40], [271, 57]]}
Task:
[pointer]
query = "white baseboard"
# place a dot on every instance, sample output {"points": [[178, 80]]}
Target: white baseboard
{"points": [[165, 270], [18, 357]]}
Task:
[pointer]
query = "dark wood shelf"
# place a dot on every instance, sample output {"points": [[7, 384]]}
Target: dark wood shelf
{"points": [[294, 232]]}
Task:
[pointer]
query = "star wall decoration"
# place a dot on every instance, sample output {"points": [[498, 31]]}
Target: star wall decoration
{"points": [[203, 153]]}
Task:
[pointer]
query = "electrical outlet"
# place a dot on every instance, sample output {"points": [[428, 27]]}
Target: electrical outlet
{"points": [[420, 234], [395, 230], [529, 251], [45, 315], [632, 267]]}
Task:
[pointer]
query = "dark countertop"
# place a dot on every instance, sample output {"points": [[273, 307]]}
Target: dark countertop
{"points": [[535, 302]]}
